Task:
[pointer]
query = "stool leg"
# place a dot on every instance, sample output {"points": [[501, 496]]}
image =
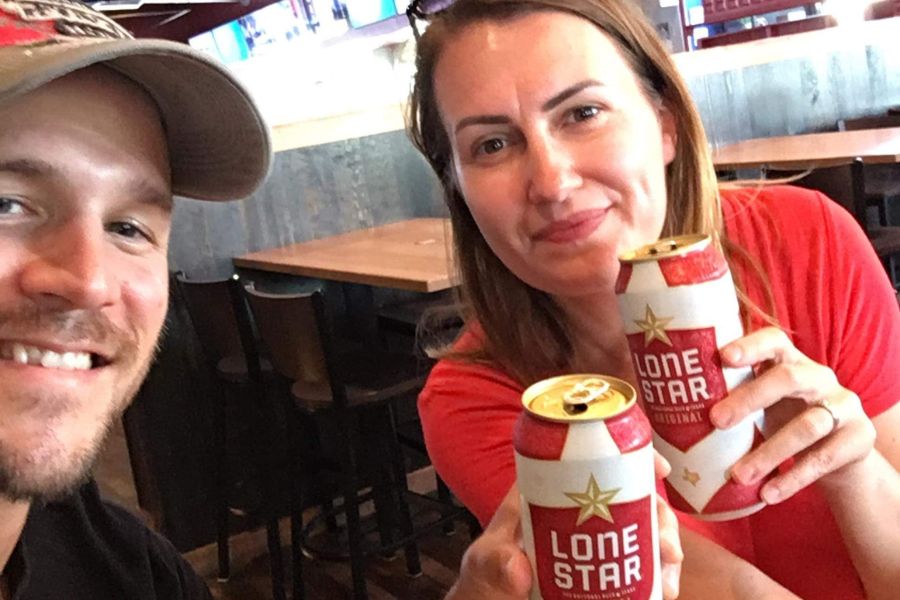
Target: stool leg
{"points": [[265, 428], [411, 548], [222, 476], [446, 498], [351, 503], [324, 499], [296, 502]]}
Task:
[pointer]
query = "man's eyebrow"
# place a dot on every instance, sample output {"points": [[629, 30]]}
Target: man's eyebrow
{"points": [[143, 191], [28, 166], [548, 105], [147, 193], [568, 93]]}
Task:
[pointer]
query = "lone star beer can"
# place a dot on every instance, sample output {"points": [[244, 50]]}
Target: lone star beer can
{"points": [[584, 466], [679, 306]]}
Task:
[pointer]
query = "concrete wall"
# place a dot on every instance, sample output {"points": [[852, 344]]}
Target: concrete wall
{"points": [[798, 95], [311, 193], [783, 87]]}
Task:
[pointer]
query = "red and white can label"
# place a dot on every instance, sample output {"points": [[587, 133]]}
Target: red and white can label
{"points": [[675, 326], [588, 514]]}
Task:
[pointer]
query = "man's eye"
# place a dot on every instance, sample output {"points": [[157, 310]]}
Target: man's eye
{"points": [[129, 231], [8, 206], [583, 113], [491, 146]]}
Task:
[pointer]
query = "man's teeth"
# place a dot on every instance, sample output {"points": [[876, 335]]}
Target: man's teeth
{"points": [[30, 355]]}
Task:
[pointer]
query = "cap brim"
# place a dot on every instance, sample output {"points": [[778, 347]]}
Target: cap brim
{"points": [[219, 146]]}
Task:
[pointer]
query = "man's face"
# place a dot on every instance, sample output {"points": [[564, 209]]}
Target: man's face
{"points": [[85, 210]]}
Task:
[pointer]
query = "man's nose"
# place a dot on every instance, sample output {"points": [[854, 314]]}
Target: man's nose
{"points": [[70, 268], [553, 174]]}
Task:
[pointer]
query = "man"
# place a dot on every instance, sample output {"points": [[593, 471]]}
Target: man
{"points": [[98, 132]]}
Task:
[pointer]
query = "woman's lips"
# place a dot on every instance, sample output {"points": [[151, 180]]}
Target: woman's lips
{"points": [[574, 228]]}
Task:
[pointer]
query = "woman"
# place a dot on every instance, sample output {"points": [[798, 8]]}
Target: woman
{"points": [[564, 136]]}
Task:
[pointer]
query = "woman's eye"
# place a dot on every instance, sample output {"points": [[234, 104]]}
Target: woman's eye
{"points": [[8, 206], [583, 113], [491, 146], [129, 231]]}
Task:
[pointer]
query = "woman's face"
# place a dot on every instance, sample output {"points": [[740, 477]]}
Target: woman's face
{"points": [[557, 150]]}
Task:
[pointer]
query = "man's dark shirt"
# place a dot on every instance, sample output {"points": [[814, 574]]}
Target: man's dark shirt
{"points": [[83, 548]]}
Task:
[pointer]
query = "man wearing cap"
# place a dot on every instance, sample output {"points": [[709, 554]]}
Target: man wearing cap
{"points": [[97, 132]]}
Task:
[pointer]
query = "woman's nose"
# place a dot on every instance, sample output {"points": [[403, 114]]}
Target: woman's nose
{"points": [[70, 268], [553, 174]]}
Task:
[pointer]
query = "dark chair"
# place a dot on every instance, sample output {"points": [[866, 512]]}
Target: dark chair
{"points": [[222, 325], [844, 184], [882, 182], [322, 376]]}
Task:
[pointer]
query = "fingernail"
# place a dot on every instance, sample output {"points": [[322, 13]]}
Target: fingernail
{"points": [[721, 416], [731, 354], [671, 580], [666, 465], [771, 495], [744, 475]]}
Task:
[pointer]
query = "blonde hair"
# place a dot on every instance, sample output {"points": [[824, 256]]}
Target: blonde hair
{"points": [[526, 333]]}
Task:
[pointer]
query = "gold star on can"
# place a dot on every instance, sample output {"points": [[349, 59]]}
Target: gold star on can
{"points": [[584, 468]]}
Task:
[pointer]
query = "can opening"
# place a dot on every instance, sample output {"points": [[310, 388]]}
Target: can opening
{"points": [[575, 409]]}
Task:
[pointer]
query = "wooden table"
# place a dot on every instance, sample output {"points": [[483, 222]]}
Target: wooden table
{"points": [[407, 255], [812, 150]]}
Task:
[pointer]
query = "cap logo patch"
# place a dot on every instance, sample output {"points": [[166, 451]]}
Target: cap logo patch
{"points": [[32, 22]]}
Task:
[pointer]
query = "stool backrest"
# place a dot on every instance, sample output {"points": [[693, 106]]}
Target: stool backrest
{"points": [[291, 326], [220, 319]]}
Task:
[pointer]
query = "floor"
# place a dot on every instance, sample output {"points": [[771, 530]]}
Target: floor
{"points": [[386, 578]]}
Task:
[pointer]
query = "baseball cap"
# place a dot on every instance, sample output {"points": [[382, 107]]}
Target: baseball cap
{"points": [[219, 145]]}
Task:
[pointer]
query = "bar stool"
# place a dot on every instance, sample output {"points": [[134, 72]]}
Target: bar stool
{"points": [[318, 376], [222, 325]]}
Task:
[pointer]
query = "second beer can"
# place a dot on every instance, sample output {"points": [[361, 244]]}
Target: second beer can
{"points": [[584, 467], [679, 306]]}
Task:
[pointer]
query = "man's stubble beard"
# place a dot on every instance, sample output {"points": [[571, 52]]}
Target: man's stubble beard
{"points": [[51, 470]]}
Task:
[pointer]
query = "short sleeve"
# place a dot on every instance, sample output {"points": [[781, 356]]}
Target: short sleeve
{"points": [[865, 336], [468, 412]]}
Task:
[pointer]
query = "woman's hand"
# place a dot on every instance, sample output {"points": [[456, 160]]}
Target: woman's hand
{"points": [[809, 416], [495, 566]]}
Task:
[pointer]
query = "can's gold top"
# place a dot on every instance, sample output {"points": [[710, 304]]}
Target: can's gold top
{"points": [[581, 397], [667, 247]]}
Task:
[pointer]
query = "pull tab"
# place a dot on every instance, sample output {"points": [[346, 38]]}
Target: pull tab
{"points": [[666, 246], [580, 395]]}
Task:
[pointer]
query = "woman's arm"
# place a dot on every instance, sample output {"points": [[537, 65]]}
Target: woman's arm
{"points": [[865, 501], [709, 571], [822, 427]]}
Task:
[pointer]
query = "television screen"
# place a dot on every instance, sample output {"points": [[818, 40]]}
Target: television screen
{"points": [[366, 12]]}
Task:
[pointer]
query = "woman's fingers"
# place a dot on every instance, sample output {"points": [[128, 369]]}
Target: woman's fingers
{"points": [[494, 566], [803, 431], [806, 380], [767, 344], [670, 551], [848, 444], [661, 466]]}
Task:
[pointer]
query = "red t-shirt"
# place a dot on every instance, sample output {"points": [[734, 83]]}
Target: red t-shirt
{"points": [[833, 299]]}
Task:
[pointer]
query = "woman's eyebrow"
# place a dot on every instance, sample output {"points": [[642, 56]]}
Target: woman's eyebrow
{"points": [[481, 120], [546, 106], [568, 93]]}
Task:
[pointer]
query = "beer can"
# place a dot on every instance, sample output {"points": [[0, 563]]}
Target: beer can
{"points": [[679, 306], [584, 467]]}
